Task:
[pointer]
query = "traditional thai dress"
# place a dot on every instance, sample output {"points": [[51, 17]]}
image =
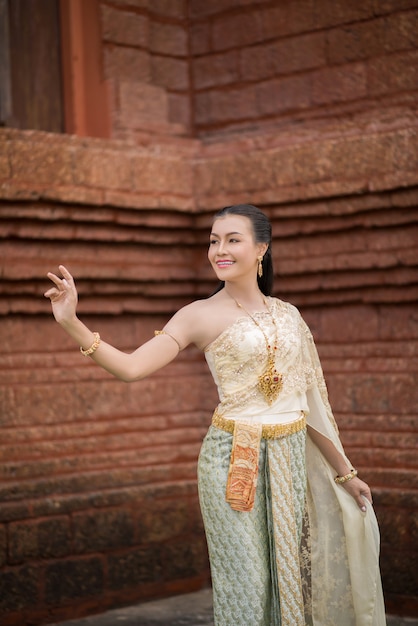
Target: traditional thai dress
{"points": [[287, 546]]}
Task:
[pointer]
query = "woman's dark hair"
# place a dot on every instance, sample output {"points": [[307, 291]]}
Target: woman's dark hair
{"points": [[262, 234]]}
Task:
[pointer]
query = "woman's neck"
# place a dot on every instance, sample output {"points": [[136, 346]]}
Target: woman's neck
{"points": [[249, 296]]}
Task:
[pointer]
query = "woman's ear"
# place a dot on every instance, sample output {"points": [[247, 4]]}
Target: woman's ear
{"points": [[262, 248]]}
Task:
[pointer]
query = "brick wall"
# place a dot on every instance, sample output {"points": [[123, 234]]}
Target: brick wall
{"points": [[146, 61], [98, 502], [283, 62]]}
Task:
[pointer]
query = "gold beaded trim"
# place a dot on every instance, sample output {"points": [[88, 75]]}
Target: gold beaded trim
{"points": [[93, 346], [268, 431]]}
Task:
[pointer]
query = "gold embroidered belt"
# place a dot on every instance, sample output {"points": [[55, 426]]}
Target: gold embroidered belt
{"points": [[268, 431], [243, 466]]}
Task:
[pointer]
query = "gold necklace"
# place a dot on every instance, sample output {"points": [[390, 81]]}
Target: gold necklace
{"points": [[270, 382]]}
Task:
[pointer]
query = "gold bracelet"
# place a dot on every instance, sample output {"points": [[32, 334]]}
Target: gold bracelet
{"points": [[340, 480], [93, 346]]}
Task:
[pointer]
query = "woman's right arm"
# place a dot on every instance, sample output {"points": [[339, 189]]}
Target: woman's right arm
{"points": [[146, 359]]}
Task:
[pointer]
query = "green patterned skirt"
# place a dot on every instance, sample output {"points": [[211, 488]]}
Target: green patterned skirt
{"points": [[254, 556]]}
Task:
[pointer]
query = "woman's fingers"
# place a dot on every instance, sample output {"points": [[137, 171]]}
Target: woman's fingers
{"points": [[65, 273], [62, 285], [55, 279], [51, 293], [360, 491]]}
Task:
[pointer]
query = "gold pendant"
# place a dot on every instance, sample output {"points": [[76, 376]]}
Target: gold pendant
{"points": [[270, 383]]}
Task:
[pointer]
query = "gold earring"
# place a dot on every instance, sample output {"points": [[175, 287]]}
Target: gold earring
{"points": [[260, 266]]}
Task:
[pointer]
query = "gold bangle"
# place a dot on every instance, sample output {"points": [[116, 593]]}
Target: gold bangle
{"points": [[93, 346], [340, 480]]}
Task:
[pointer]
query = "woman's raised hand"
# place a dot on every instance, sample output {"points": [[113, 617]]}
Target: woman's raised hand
{"points": [[63, 296]]}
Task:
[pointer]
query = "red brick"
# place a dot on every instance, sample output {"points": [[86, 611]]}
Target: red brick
{"points": [[170, 73], [124, 27], [406, 149], [398, 572], [333, 13], [237, 30], [42, 163], [39, 539], [74, 579], [353, 323], [161, 521], [356, 41], [339, 84], [199, 38], [141, 103], [401, 31], [363, 156], [179, 110], [390, 6], [3, 545], [168, 8], [215, 70], [102, 168], [356, 395], [392, 74], [169, 39], [184, 559], [137, 567], [128, 64], [138, 4], [258, 62], [5, 171], [285, 94], [155, 174], [283, 57], [403, 392], [101, 531], [202, 108], [233, 104], [288, 18], [203, 8], [19, 589]]}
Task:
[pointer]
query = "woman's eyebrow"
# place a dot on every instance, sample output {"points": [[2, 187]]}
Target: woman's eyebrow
{"points": [[234, 232]]}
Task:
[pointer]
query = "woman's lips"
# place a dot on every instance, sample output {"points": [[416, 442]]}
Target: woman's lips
{"points": [[222, 264]]}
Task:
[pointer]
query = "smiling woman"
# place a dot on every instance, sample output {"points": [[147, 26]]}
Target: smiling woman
{"points": [[291, 532]]}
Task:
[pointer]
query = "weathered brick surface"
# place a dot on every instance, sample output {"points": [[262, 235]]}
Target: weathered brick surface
{"points": [[170, 72], [308, 109], [168, 39], [102, 530], [3, 544], [19, 589], [129, 64], [358, 50], [39, 539], [133, 568], [74, 579], [125, 27]]}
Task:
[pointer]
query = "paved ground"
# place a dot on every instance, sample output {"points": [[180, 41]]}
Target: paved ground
{"points": [[193, 609]]}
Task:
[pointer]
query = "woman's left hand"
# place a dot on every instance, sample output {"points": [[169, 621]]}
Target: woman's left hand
{"points": [[359, 490]]}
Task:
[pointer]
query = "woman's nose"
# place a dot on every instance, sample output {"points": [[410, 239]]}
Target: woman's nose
{"points": [[221, 248]]}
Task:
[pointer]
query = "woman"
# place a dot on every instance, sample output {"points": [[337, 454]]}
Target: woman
{"points": [[292, 536]]}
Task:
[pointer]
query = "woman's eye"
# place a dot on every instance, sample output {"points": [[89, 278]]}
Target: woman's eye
{"points": [[212, 241]]}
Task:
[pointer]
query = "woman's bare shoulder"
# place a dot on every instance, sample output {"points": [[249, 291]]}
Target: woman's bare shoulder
{"points": [[198, 321]]}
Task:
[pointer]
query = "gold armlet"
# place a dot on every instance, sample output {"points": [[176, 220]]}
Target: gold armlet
{"points": [[340, 480], [93, 346], [163, 332]]}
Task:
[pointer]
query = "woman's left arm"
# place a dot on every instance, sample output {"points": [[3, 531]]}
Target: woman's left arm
{"points": [[357, 488]]}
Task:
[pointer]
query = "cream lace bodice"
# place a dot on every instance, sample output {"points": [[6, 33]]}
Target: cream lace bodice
{"points": [[238, 356]]}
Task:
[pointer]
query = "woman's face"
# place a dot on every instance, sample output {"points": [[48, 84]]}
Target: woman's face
{"points": [[233, 252]]}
